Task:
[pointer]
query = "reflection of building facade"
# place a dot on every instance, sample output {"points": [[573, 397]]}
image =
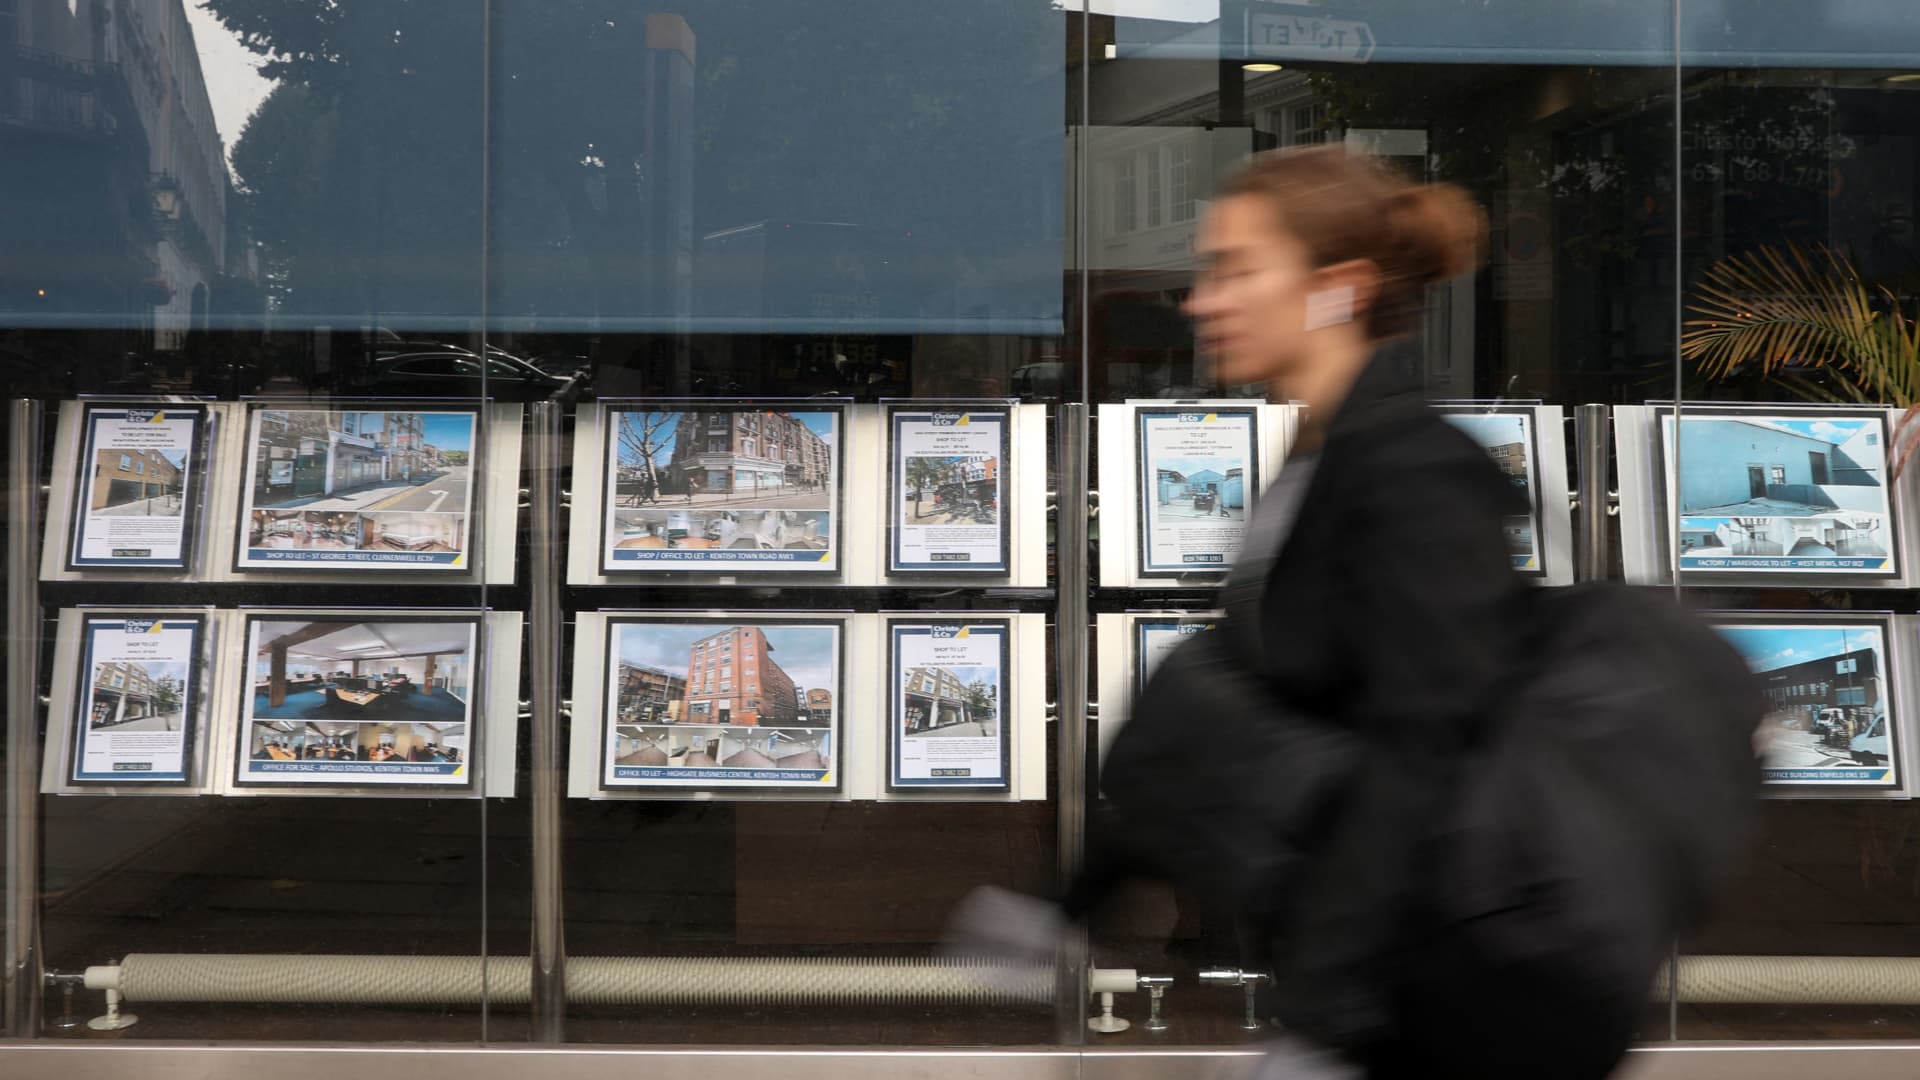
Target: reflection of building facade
{"points": [[747, 452], [732, 678], [650, 695], [1849, 681], [137, 178], [124, 476], [124, 691]]}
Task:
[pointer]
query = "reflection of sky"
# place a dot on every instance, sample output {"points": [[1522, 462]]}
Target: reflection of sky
{"points": [[1770, 647], [1491, 429], [804, 653], [1187, 466], [175, 458], [448, 431]]}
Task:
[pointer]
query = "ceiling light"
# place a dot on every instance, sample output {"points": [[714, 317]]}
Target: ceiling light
{"points": [[1260, 66], [1906, 77]]}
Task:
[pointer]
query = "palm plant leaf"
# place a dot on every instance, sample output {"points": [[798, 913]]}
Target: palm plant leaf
{"points": [[1790, 314]]}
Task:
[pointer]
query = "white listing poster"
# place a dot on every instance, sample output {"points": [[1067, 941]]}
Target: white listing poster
{"points": [[949, 715], [1198, 475], [1156, 638], [948, 472], [139, 471], [139, 698], [722, 489]]}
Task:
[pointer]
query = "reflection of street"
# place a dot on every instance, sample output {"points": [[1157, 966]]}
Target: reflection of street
{"points": [[972, 729], [1182, 509], [158, 506], [160, 722], [444, 490]]}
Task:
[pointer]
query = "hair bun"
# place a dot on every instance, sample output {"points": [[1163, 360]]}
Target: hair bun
{"points": [[1438, 230]]}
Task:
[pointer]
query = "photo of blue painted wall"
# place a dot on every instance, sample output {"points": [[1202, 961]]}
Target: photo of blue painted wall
{"points": [[1829, 701], [1771, 494]]}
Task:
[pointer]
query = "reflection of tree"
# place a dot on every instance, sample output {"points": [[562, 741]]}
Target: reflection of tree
{"points": [[363, 174]]}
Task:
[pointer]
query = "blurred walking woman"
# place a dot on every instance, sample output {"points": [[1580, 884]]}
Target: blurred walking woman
{"points": [[1373, 611], [1461, 819]]}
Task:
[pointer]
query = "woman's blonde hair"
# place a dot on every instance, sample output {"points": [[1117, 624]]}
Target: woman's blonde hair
{"points": [[1342, 206]]}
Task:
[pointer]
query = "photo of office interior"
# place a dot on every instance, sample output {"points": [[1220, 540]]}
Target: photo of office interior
{"points": [[396, 672]]}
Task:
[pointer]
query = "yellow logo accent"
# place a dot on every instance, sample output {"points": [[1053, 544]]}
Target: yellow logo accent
{"points": [[965, 631], [965, 419], [1211, 417], [156, 627], [158, 418]]}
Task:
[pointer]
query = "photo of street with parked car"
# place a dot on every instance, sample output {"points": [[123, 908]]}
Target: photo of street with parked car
{"points": [[952, 490], [359, 487], [1828, 717]]}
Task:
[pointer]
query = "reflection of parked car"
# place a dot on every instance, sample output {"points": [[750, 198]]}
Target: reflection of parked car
{"points": [[1203, 500], [1872, 748], [455, 374]]}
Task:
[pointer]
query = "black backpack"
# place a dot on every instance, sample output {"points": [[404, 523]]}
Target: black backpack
{"points": [[1554, 861]]}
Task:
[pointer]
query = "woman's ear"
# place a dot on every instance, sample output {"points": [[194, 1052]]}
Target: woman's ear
{"points": [[1343, 292]]}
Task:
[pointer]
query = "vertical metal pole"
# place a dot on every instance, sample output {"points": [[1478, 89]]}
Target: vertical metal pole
{"points": [[1071, 690], [1679, 387], [22, 975], [1592, 444], [543, 648]]}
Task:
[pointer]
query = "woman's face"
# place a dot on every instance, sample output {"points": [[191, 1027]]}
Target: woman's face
{"points": [[1249, 301]]}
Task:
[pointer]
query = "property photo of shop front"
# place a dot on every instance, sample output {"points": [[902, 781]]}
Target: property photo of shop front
{"points": [[134, 696], [344, 461], [138, 483], [950, 701]]}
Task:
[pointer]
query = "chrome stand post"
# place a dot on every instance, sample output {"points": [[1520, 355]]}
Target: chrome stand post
{"points": [[23, 971], [1593, 444], [549, 999], [1070, 691]]}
